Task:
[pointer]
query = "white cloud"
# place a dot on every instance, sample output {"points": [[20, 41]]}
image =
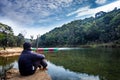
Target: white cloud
{"points": [[20, 14], [30, 11], [100, 1], [91, 12], [80, 10], [16, 29], [34, 31], [52, 6]]}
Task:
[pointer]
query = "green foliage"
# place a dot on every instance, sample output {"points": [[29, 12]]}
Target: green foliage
{"points": [[20, 39], [104, 28], [7, 38]]}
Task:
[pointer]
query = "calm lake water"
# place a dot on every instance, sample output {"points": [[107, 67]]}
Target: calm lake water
{"points": [[77, 64]]}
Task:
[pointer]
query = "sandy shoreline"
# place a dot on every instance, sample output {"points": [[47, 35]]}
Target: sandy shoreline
{"points": [[10, 52]]}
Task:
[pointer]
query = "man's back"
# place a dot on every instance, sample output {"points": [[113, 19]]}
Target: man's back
{"points": [[29, 61], [26, 62]]}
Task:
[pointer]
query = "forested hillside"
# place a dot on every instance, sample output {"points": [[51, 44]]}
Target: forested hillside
{"points": [[8, 39], [104, 28]]}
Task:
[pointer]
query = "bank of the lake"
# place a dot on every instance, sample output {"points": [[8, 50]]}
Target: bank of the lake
{"points": [[17, 50], [10, 52], [103, 45]]}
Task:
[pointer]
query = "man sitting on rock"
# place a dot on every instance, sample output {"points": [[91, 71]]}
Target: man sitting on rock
{"points": [[29, 61]]}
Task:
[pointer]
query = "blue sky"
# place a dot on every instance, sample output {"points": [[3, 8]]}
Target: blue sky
{"points": [[33, 17]]}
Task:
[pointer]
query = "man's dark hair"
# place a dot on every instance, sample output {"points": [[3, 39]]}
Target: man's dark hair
{"points": [[26, 46]]}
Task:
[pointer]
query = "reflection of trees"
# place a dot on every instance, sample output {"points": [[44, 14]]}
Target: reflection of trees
{"points": [[102, 62], [4, 69], [7, 59], [6, 63]]}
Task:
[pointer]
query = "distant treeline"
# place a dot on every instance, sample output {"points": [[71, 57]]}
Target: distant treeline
{"points": [[8, 39], [103, 28]]}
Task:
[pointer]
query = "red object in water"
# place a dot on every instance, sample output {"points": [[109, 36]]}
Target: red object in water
{"points": [[40, 49], [51, 49]]}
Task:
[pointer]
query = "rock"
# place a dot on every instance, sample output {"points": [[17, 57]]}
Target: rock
{"points": [[13, 74]]}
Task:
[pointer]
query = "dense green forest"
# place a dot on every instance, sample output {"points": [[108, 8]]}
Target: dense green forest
{"points": [[103, 28], [8, 39]]}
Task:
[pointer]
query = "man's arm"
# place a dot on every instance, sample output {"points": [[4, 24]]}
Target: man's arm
{"points": [[38, 56]]}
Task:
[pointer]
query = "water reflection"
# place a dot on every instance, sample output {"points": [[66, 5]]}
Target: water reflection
{"points": [[15, 64], [60, 73], [67, 48], [77, 64], [4, 67], [103, 62]]}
